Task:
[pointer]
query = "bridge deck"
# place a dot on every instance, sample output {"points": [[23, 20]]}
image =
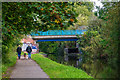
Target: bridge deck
{"points": [[57, 35]]}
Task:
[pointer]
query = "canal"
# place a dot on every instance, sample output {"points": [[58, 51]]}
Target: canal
{"points": [[98, 68]]}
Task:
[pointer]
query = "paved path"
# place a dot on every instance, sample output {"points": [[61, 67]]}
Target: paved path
{"points": [[25, 68]]}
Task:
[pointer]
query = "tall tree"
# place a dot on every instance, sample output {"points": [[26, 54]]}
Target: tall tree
{"points": [[22, 18], [84, 11]]}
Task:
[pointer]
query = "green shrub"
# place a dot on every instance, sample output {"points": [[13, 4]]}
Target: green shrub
{"points": [[12, 61]]}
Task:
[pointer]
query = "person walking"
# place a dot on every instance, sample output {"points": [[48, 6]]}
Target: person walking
{"points": [[29, 50], [19, 49]]}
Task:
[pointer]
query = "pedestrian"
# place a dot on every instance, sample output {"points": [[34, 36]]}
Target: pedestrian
{"points": [[19, 49], [29, 50]]}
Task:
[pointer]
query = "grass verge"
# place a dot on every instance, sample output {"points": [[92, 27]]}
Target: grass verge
{"points": [[56, 70], [41, 53], [6, 66]]}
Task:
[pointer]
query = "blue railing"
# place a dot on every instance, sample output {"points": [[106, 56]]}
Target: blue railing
{"points": [[59, 32]]}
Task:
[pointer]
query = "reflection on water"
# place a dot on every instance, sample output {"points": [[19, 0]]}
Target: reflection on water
{"points": [[96, 68]]}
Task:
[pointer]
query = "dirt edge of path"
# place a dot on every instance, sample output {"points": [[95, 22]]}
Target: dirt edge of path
{"points": [[9, 71]]}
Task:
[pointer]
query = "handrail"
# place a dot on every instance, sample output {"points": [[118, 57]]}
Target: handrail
{"points": [[59, 32]]}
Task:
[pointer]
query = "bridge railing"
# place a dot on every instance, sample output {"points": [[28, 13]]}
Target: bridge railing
{"points": [[59, 32]]}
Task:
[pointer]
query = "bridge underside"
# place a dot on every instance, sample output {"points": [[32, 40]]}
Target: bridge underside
{"points": [[44, 40], [55, 38]]}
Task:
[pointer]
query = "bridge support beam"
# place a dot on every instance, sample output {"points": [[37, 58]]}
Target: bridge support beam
{"points": [[77, 45], [56, 40]]}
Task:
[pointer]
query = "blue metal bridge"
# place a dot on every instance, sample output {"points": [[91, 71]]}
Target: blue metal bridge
{"points": [[57, 35]]}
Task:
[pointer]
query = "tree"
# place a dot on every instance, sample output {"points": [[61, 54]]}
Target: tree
{"points": [[103, 36], [22, 18], [16, 17], [84, 13]]}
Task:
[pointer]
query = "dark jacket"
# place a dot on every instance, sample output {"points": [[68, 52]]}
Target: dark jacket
{"points": [[19, 49], [29, 49]]}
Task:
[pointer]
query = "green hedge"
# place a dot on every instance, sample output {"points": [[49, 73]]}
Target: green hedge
{"points": [[56, 70], [12, 62]]}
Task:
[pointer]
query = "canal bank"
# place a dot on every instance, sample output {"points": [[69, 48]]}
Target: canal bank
{"points": [[97, 68], [56, 70]]}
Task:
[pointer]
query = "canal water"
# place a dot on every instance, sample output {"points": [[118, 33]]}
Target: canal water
{"points": [[96, 68]]}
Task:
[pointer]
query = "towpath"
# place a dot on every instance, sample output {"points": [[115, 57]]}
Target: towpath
{"points": [[27, 68]]}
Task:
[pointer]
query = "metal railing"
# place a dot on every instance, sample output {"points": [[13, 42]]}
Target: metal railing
{"points": [[59, 32]]}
